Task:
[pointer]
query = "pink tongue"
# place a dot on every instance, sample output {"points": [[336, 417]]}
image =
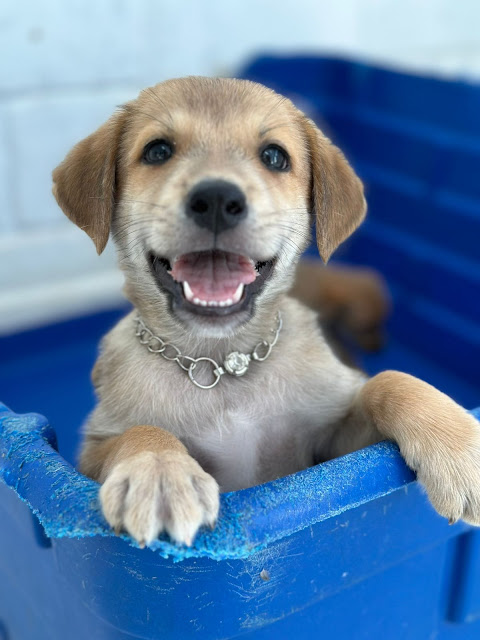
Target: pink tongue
{"points": [[213, 275]]}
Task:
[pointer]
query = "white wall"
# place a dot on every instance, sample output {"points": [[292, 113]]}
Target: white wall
{"points": [[65, 65]]}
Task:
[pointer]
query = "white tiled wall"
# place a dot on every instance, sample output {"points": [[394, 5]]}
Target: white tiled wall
{"points": [[66, 65]]}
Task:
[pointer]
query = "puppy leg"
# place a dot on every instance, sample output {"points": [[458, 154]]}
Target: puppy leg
{"points": [[438, 439], [351, 300], [151, 484]]}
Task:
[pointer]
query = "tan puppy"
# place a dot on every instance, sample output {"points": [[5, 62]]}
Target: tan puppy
{"points": [[209, 187]]}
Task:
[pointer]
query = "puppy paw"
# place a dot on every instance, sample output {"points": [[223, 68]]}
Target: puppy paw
{"points": [[452, 480], [437, 438], [149, 493]]}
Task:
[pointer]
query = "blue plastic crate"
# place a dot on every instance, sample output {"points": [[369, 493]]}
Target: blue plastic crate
{"points": [[349, 549]]}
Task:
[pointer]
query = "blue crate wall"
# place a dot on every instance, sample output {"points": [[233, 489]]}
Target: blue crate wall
{"points": [[292, 556]]}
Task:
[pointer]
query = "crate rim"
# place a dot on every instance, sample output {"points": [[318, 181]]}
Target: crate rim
{"points": [[66, 502]]}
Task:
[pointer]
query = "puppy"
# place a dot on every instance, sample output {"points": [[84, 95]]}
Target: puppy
{"points": [[219, 379]]}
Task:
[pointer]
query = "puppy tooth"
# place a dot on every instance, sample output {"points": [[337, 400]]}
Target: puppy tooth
{"points": [[238, 293], [187, 291]]}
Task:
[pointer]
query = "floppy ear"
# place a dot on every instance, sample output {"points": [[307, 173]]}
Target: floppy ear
{"points": [[337, 193], [84, 184]]}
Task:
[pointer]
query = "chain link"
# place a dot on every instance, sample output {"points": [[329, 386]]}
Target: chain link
{"points": [[183, 366], [155, 344]]}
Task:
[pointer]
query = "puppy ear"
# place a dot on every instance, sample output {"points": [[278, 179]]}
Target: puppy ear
{"points": [[84, 184], [337, 193]]}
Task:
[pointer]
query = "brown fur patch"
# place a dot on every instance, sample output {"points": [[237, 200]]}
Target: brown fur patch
{"points": [[352, 300], [338, 199], [421, 419], [84, 184], [100, 455]]}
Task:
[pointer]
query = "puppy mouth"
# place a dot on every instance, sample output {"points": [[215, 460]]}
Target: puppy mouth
{"points": [[211, 283]]}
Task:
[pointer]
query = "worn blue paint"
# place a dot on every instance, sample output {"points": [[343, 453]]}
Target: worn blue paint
{"points": [[334, 528], [66, 503], [349, 549]]}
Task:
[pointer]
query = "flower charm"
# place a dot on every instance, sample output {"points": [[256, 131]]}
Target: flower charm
{"points": [[236, 364]]}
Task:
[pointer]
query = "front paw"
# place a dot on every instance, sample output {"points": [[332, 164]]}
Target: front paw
{"points": [[153, 492], [452, 479]]}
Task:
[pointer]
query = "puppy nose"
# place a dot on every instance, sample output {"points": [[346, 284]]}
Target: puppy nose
{"points": [[216, 205]]}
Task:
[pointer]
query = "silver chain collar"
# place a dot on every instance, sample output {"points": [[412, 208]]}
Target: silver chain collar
{"points": [[235, 364]]}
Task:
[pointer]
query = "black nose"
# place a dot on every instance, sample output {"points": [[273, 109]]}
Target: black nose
{"points": [[216, 205]]}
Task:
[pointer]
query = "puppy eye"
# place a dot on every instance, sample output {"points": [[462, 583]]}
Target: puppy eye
{"points": [[157, 152], [275, 158]]}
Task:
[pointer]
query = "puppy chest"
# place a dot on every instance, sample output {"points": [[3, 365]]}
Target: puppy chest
{"points": [[241, 451], [229, 451]]}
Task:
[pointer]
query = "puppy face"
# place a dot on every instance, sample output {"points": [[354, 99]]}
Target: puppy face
{"points": [[209, 186]]}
